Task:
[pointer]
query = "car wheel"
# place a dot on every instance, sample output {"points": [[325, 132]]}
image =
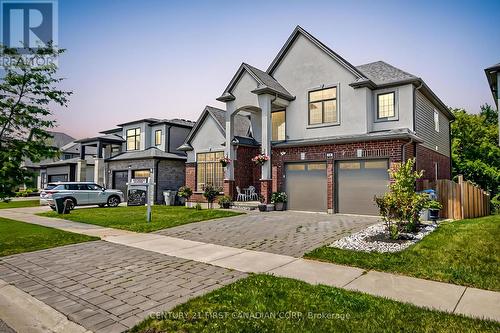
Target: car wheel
{"points": [[113, 201], [53, 208], [70, 204]]}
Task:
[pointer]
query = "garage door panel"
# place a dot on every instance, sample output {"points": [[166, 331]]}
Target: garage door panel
{"points": [[120, 179], [306, 186], [358, 182]]}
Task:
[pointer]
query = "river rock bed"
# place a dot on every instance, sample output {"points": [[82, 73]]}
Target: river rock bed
{"points": [[375, 238]]}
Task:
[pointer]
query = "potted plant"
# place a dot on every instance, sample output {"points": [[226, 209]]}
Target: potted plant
{"points": [[279, 199], [262, 205], [224, 202], [260, 159], [184, 194], [434, 207], [225, 161], [210, 193]]}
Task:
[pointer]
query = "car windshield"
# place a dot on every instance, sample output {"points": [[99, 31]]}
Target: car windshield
{"points": [[58, 188], [50, 186]]}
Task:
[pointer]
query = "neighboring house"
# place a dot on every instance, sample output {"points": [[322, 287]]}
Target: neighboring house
{"points": [[493, 75], [137, 149], [331, 129], [58, 140]]}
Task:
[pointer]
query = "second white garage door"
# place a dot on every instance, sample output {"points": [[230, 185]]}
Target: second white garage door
{"points": [[306, 186]]}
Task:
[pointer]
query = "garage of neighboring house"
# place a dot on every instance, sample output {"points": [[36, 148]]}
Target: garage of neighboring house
{"points": [[356, 184], [306, 186], [120, 180]]}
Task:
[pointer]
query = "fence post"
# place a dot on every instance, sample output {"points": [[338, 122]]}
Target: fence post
{"points": [[461, 198]]}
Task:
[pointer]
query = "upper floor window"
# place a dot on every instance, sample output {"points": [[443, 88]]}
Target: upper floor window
{"points": [[436, 120], [209, 171], [157, 138], [278, 125], [386, 105], [133, 139], [323, 106]]}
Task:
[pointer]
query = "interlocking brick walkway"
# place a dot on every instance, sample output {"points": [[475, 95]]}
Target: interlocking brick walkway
{"points": [[108, 287], [288, 233]]}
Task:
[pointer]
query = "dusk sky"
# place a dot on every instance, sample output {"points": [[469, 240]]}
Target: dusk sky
{"points": [[128, 60]]}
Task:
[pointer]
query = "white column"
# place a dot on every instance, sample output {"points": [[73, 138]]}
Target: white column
{"points": [[99, 171], [81, 171], [230, 151], [265, 102]]}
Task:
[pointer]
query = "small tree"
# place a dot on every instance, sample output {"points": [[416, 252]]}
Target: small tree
{"points": [[210, 193], [400, 207], [185, 192], [27, 94]]}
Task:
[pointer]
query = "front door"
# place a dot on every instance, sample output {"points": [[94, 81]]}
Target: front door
{"points": [[306, 186], [120, 180]]}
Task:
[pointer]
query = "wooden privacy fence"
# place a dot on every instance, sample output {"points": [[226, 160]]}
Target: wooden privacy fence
{"points": [[460, 200]]}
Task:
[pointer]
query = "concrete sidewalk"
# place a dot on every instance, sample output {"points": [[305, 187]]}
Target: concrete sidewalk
{"points": [[425, 293]]}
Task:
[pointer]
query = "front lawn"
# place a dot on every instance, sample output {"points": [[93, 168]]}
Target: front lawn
{"points": [[134, 218], [465, 252], [19, 204], [19, 237], [262, 303]]}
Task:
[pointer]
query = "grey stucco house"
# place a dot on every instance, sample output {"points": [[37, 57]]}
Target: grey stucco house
{"points": [[137, 149], [330, 129]]}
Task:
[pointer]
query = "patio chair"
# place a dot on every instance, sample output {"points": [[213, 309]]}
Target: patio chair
{"points": [[252, 194], [241, 196]]}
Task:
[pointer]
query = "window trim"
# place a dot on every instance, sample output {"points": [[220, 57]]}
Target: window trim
{"points": [[196, 190], [132, 136], [435, 115], [336, 99], [396, 106], [284, 111], [157, 144]]}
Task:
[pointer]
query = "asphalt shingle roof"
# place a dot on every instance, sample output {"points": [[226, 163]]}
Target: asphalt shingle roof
{"points": [[269, 81], [380, 72], [152, 152], [242, 124]]}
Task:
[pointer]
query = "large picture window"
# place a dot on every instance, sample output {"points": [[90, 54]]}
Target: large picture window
{"points": [[278, 121], [209, 171], [323, 106], [385, 105], [133, 139]]}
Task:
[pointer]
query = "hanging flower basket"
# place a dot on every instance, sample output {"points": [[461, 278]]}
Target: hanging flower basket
{"points": [[260, 159], [225, 161]]}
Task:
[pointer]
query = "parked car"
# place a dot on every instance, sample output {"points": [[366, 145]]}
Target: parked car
{"points": [[81, 194]]}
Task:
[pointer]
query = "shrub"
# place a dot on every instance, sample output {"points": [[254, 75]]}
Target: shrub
{"points": [[185, 192], [495, 204], [278, 197], [198, 206], [224, 201], [433, 204], [400, 207], [210, 193]]}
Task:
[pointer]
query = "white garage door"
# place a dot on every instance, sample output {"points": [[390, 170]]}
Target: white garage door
{"points": [[306, 186]]}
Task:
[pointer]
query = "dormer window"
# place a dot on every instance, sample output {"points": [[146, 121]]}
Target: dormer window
{"points": [[158, 138], [133, 139], [323, 106], [386, 105]]}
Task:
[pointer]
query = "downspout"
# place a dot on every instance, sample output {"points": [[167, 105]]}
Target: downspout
{"points": [[403, 149], [415, 119]]}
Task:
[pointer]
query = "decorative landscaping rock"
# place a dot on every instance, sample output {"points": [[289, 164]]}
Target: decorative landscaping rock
{"points": [[375, 238]]}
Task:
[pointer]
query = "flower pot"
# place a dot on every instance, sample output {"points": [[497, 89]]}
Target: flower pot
{"points": [[433, 214], [262, 207], [279, 206], [226, 205]]}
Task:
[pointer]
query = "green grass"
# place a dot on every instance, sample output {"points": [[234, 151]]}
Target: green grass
{"points": [[19, 237], [264, 295], [134, 218], [19, 204], [465, 252]]}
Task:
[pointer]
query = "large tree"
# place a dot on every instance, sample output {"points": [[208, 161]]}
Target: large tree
{"points": [[27, 95], [475, 150]]}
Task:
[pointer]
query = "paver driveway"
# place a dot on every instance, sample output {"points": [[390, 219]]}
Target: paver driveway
{"points": [[108, 287], [288, 233]]}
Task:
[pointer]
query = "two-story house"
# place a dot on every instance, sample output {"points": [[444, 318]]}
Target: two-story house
{"points": [[331, 130], [138, 149]]}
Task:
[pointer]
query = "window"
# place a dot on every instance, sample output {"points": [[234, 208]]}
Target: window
{"points": [[209, 171], [436, 120], [278, 123], [133, 139], [115, 149], [385, 105], [140, 174], [95, 187], [157, 138], [323, 106]]}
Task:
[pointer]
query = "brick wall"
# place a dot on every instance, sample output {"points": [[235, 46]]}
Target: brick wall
{"points": [[426, 160]]}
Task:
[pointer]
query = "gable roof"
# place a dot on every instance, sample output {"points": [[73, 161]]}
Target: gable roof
{"points": [[266, 83], [59, 139], [380, 73], [151, 152], [300, 31], [242, 125]]}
